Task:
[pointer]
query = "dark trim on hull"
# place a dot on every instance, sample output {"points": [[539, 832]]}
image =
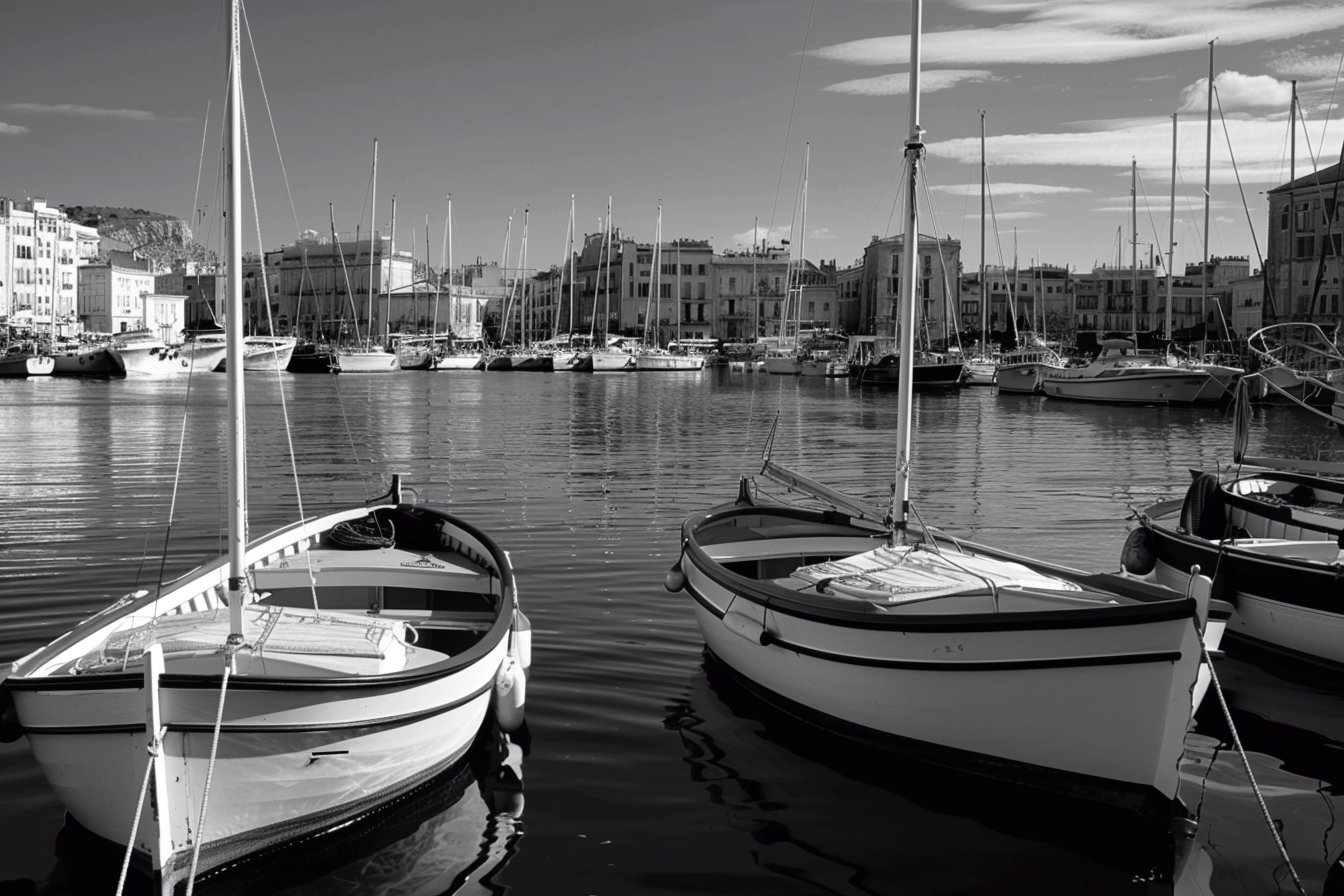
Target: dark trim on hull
{"points": [[953, 665], [1159, 605], [1145, 801], [1296, 583], [228, 728]]}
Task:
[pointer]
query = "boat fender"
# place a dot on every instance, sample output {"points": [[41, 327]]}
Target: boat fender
{"points": [[522, 640], [510, 694], [675, 580], [1137, 557], [10, 729], [747, 627], [1202, 513]]}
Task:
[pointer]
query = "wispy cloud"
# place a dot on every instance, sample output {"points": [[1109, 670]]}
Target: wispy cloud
{"points": [[1008, 189], [753, 237], [1071, 32], [1257, 142], [1235, 91], [898, 84], [12, 128], [72, 109]]}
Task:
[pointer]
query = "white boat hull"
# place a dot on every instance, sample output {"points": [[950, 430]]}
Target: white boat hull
{"points": [[610, 362], [783, 366], [329, 714], [647, 361], [459, 362], [367, 362], [1092, 682], [163, 360], [1133, 386]]}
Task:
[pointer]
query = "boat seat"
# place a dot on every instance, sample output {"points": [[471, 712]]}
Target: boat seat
{"points": [[386, 567], [1318, 551]]}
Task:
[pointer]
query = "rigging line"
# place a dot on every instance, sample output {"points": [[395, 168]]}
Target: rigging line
{"points": [[1157, 238], [345, 419], [266, 101], [200, 168], [265, 295], [994, 218], [220, 30], [953, 318], [788, 131], [1329, 105], [1228, 137]]}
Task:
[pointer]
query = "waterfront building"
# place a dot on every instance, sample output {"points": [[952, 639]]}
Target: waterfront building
{"points": [[112, 299], [41, 251], [938, 276], [323, 287], [1248, 304], [1304, 245], [749, 292]]}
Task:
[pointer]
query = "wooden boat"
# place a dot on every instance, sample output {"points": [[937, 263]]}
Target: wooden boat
{"points": [[142, 353], [1296, 362], [287, 687], [904, 635], [312, 357], [1269, 537]]}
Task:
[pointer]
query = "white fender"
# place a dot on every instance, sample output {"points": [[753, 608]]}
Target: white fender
{"points": [[510, 695]]}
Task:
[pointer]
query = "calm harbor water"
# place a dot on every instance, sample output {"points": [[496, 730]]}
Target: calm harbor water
{"points": [[645, 772]]}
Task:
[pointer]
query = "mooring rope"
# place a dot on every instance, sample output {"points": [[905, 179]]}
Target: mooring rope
{"points": [[209, 774], [155, 747], [1246, 763]]}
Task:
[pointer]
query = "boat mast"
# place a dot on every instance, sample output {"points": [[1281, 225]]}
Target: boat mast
{"points": [[1171, 229], [802, 254], [373, 213], [387, 287], [452, 308], [604, 274], [755, 310], [573, 235], [1208, 156], [524, 318], [237, 452], [676, 302], [654, 301], [984, 289], [914, 148], [1134, 251]]}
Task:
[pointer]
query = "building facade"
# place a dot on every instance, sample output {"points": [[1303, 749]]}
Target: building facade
{"points": [[1302, 262], [41, 252]]}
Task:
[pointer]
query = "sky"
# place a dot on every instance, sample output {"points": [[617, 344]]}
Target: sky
{"points": [[719, 110]]}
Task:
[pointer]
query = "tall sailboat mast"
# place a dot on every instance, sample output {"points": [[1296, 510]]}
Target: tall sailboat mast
{"points": [[914, 148], [373, 229], [1171, 231], [1134, 250], [237, 454], [1208, 160], [984, 287]]}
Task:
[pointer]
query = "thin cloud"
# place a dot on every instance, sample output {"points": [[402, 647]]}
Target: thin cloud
{"points": [[1235, 91], [1257, 142], [80, 111], [772, 236], [1008, 189], [898, 84], [12, 128], [1069, 32]]}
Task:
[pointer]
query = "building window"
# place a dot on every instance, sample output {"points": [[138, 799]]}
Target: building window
{"points": [[732, 284], [701, 270]]}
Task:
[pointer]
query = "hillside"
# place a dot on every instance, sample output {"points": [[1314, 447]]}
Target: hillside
{"points": [[164, 239]]}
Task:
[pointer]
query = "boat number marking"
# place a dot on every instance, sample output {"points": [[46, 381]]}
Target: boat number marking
{"points": [[948, 648]]}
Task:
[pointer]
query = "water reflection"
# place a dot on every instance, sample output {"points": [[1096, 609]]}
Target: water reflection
{"points": [[823, 814], [1293, 732]]}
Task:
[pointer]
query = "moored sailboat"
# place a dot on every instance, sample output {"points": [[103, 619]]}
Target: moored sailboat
{"points": [[285, 688], [898, 633]]}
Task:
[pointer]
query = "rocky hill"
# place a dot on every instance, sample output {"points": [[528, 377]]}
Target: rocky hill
{"points": [[162, 238]]}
